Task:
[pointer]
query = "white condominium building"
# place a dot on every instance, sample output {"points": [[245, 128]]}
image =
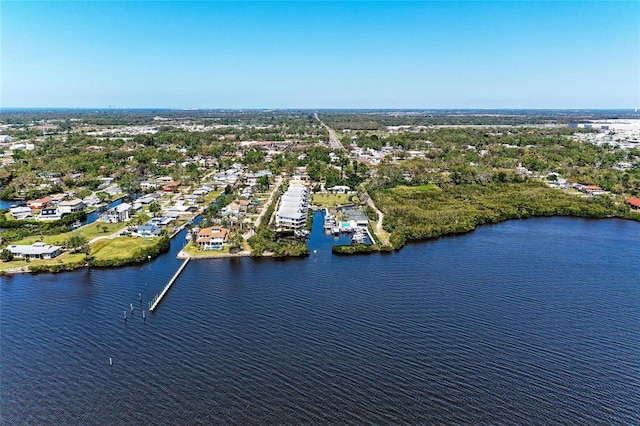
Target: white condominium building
{"points": [[292, 211]]}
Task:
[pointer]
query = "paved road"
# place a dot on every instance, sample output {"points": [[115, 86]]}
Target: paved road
{"points": [[277, 184], [334, 143]]}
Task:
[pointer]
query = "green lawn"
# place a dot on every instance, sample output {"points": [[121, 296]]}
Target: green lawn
{"points": [[88, 231], [63, 259], [119, 248], [334, 200], [193, 250]]}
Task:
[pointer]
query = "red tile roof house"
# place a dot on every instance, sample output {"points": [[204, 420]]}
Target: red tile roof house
{"points": [[593, 190], [39, 204], [212, 238], [171, 186], [244, 205], [634, 202]]}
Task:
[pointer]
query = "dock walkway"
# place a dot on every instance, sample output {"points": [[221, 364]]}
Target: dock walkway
{"points": [[156, 300]]}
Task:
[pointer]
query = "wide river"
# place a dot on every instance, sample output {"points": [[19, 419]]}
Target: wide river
{"points": [[526, 322]]}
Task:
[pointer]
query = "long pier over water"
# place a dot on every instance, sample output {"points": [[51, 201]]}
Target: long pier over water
{"points": [[156, 300]]}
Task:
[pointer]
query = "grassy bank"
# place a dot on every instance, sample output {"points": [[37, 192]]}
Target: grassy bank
{"points": [[64, 262], [334, 200], [194, 251], [103, 253], [127, 250], [423, 212], [98, 229]]}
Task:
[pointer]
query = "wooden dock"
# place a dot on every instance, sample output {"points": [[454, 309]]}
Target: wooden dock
{"points": [[158, 297]]}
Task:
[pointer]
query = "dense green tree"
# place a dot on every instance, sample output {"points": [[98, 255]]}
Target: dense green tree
{"points": [[154, 207], [6, 255], [76, 242]]}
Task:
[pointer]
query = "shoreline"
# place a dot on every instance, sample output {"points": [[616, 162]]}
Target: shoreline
{"points": [[183, 255], [246, 253]]}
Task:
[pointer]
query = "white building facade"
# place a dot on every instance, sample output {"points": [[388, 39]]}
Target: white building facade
{"points": [[292, 211]]}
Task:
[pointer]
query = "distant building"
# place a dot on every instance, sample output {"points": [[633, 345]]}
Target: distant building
{"points": [[37, 250], [116, 214], [634, 202], [147, 199], [71, 206], [339, 189], [39, 203], [149, 185], [232, 209], [20, 212], [171, 186], [592, 190], [49, 213]]}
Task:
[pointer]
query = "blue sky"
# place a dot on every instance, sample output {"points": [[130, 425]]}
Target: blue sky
{"points": [[201, 54]]}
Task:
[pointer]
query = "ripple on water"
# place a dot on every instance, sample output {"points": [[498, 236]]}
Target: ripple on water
{"points": [[531, 322]]}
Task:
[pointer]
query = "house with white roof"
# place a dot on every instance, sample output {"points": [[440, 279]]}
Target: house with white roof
{"points": [[71, 206], [21, 212], [146, 231], [116, 214], [37, 250]]}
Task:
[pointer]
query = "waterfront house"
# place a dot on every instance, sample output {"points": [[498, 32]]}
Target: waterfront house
{"points": [[592, 190], [183, 209], [49, 213], [20, 212], [291, 218], [39, 203], [633, 202], [37, 250], [116, 214], [212, 238], [71, 206], [160, 221], [113, 190], [146, 231]]}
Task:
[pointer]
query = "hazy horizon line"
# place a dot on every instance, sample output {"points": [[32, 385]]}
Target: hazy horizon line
{"points": [[160, 108]]}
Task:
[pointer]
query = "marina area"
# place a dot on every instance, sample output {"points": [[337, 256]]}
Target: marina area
{"points": [[348, 220]]}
